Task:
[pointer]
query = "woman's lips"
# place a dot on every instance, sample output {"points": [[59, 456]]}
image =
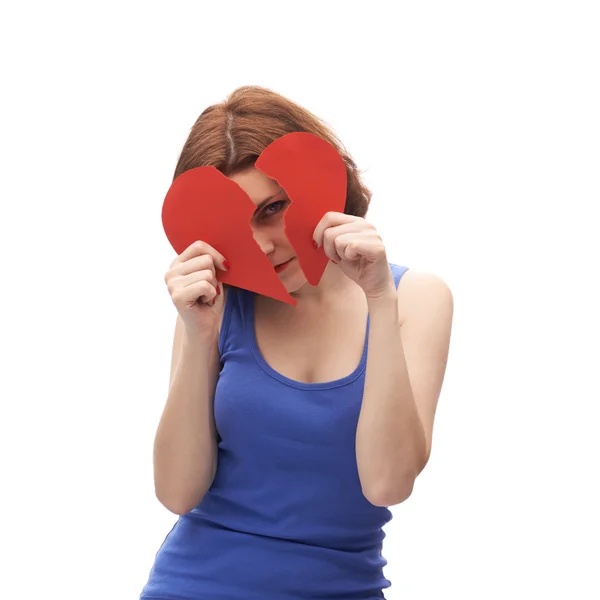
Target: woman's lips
{"points": [[283, 266]]}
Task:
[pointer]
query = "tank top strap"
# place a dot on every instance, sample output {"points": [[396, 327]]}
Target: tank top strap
{"points": [[232, 331], [397, 272]]}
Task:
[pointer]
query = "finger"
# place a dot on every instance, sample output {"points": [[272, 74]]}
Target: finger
{"points": [[357, 246], [180, 281], [197, 264], [200, 291], [198, 248], [332, 233], [329, 237], [192, 265], [330, 219]]}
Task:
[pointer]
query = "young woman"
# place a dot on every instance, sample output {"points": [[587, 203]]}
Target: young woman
{"points": [[288, 431]]}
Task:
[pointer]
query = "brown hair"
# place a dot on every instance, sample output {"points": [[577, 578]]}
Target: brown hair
{"points": [[231, 135]]}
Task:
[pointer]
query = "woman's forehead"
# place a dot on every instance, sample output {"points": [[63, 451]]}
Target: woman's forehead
{"points": [[257, 185]]}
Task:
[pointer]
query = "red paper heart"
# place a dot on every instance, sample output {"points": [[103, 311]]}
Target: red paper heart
{"points": [[203, 204]]}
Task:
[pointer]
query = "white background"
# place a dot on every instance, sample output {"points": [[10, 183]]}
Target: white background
{"points": [[477, 125]]}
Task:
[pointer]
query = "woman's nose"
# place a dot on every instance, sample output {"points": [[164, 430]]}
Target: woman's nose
{"points": [[264, 241]]}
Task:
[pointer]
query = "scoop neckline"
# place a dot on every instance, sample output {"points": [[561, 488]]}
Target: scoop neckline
{"points": [[248, 309]]}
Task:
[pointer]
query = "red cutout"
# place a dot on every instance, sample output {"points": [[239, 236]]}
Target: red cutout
{"points": [[314, 176], [203, 204]]}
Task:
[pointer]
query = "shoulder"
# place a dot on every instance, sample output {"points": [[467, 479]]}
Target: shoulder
{"points": [[424, 294]]}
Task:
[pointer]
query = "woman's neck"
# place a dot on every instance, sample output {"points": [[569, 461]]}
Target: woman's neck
{"points": [[333, 285]]}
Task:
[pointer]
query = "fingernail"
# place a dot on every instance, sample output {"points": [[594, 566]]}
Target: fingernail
{"points": [[226, 264], [218, 289], [315, 244]]}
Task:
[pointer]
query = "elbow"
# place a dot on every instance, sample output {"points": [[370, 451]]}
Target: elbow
{"points": [[177, 504], [387, 496], [178, 509], [181, 499]]}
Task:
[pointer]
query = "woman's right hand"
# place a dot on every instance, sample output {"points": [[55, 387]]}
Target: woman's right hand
{"points": [[195, 291]]}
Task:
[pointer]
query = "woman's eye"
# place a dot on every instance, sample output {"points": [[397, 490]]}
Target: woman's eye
{"points": [[273, 208]]}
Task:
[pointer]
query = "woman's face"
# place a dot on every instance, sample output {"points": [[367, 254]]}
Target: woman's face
{"points": [[267, 225]]}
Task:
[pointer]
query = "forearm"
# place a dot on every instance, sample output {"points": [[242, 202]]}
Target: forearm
{"points": [[185, 445], [390, 439]]}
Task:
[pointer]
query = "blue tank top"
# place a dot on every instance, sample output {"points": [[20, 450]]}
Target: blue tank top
{"points": [[285, 517]]}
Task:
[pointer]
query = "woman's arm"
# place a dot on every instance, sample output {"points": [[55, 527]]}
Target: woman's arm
{"points": [[185, 445], [405, 369], [406, 361]]}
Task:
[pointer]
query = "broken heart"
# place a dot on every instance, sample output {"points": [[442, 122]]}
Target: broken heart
{"points": [[203, 204]]}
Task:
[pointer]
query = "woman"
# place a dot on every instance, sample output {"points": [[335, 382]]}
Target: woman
{"points": [[283, 441]]}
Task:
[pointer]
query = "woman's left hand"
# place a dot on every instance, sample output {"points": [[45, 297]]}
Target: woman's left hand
{"points": [[357, 248]]}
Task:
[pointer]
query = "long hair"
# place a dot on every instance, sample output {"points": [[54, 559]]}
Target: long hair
{"points": [[231, 135]]}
